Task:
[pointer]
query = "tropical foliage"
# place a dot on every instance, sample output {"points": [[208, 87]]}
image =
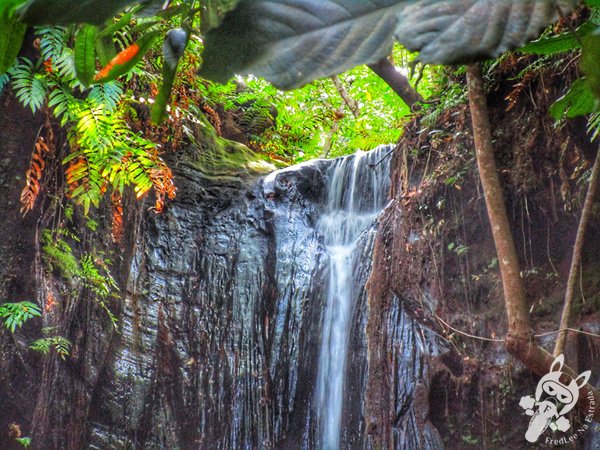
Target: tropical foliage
{"points": [[15, 315]]}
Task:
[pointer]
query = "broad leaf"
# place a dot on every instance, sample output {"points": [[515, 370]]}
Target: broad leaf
{"points": [[213, 11], [563, 42], [12, 33], [292, 42], [105, 49], [63, 12], [590, 62], [85, 54], [173, 48], [126, 59], [578, 101]]}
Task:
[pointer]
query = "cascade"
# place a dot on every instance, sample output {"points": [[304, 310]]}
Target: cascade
{"points": [[356, 188], [244, 323]]}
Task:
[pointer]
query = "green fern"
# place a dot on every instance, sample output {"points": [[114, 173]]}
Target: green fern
{"points": [[594, 126], [29, 85], [54, 47], [61, 345], [14, 315], [4, 81], [107, 94]]}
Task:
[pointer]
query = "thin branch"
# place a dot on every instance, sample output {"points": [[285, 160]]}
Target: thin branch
{"points": [[587, 333], [488, 339], [337, 116], [350, 102], [586, 215], [472, 336]]}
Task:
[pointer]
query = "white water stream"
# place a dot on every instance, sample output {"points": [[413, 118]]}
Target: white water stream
{"points": [[356, 191]]}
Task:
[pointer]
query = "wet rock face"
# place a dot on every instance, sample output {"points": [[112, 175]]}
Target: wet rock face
{"points": [[221, 320], [220, 324], [221, 328]]}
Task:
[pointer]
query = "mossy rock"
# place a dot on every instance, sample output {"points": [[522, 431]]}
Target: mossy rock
{"points": [[222, 160]]}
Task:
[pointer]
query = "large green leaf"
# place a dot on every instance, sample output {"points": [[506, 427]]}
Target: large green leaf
{"points": [[292, 42], [578, 101], [85, 54], [12, 33], [63, 12], [126, 59], [563, 42], [590, 62], [173, 48]]}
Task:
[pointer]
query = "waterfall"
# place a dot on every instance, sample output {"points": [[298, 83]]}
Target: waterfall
{"points": [[356, 187]]}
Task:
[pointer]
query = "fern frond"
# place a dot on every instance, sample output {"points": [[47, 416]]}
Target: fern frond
{"points": [[594, 126], [4, 80], [107, 94], [33, 175], [53, 40], [54, 46], [30, 86], [64, 104]]}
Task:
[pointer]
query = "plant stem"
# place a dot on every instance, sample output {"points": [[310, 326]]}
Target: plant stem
{"points": [[350, 102], [586, 215]]}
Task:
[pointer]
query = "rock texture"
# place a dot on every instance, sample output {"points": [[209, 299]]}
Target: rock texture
{"points": [[219, 321]]}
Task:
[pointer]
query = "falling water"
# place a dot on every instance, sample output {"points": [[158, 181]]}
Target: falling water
{"points": [[357, 188]]}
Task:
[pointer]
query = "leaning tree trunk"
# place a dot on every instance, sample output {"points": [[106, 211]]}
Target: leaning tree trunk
{"points": [[519, 340]]}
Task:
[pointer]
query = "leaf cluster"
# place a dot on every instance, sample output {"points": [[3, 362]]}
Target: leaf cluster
{"points": [[60, 344], [14, 315]]}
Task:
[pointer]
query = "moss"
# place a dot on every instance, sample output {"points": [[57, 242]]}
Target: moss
{"points": [[58, 254], [218, 158]]}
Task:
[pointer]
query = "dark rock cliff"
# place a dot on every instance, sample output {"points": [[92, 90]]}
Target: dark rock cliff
{"points": [[219, 316]]}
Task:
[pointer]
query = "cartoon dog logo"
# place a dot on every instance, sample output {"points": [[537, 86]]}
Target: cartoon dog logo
{"points": [[553, 400]]}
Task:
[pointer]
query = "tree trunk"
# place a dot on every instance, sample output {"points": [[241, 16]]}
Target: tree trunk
{"points": [[519, 340]]}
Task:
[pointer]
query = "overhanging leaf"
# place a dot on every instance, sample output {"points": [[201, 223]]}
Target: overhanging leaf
{"points": [[85, 54], [12, 33], [578, 101], [173, 48], [292, 42], [105, 49], [63, 12], [563, 42]]}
